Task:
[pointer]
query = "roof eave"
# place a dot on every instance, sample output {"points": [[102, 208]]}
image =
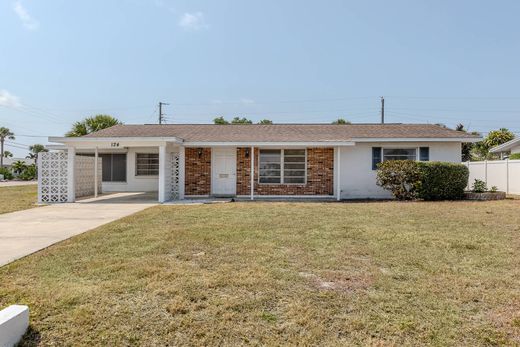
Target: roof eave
{"points": [[505, 146]]}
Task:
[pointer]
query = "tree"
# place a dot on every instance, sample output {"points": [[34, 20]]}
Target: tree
{"points": [[92, 124], [265, 121], [238, 120], [34, 150], [493, 139], [341, 121], [5, 133], [19, 166], [8, 154], [220, 120], [467, 147]]}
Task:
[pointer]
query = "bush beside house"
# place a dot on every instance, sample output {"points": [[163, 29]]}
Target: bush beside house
{"points": [[408, 179], [514, 156], [442, 181]]}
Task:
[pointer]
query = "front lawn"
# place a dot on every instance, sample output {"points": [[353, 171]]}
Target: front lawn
{"points": [[382, 273], [17, 198]]}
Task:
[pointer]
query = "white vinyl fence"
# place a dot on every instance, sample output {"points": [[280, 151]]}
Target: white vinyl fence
{"points": [[504, 174]]}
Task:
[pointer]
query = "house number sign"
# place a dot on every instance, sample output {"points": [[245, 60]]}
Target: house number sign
{"points": [[114, 144]]}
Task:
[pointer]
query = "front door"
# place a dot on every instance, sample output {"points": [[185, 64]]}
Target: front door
{"points": [[224, 168]]}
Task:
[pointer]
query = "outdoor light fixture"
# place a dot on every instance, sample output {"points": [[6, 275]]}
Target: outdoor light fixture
{"points": [[247, 152], [199, 152]]}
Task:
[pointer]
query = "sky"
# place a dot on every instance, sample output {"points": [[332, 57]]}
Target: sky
{"points": [[291, 61]]}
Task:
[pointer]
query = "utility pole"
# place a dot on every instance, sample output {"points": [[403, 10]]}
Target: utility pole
{"points": [[161, 115], [382, 110]]}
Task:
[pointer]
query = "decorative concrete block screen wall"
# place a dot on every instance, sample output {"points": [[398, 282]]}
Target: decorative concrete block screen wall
{"points": [[173, 176], [52, 177], [84, 175], [504, 174]]}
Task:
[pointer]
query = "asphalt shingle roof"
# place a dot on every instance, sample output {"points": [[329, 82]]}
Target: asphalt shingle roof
{"points": [[281, 132]]}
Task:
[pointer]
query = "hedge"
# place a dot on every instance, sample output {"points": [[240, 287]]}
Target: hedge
{"points": [[408, 179], [514, 156], [442, 181], [6, 173]]}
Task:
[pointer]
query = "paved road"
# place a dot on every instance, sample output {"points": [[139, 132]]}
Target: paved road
{"points": [[28, 231]]}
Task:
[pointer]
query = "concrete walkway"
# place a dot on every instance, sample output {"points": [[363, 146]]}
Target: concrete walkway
{"points": [[17, 183], [28, 231]]}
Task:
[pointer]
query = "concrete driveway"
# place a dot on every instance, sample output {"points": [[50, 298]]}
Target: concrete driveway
{"points": [[28, 231]]}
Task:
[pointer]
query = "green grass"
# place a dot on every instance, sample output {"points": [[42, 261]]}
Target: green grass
{"points": [[17, 198], [385, 273]]}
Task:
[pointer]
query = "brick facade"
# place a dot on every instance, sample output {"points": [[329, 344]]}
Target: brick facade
{"points": [[320, 175], [197, 171]]}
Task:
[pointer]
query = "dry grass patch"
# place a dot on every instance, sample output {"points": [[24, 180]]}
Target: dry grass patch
{"points": [[17, 198], [445, 273]]}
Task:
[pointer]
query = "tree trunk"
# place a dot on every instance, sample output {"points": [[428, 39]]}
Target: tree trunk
{"points": [[1, 152]]}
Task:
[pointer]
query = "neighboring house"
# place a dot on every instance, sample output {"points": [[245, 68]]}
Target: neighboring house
{"points": [[8, 162], [505, 149], [288, 160]]}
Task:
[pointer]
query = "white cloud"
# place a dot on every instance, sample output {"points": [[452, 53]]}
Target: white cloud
{"points": [[193, 21], [247, 101], [9, 100], [28, 22]]}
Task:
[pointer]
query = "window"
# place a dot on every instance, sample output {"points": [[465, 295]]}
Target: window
{"points": [[147, 164], [399, 154], [282, 166], [424, 153], [114, 167]]}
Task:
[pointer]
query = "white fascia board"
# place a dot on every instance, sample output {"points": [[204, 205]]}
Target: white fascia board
{"points": [[271, 144], [419, 139], [58, 139], [108, 142], [505, 146]]}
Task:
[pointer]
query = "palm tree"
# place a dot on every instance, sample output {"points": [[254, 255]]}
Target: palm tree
{"points": [[8, 154], [19, 166], [5, 133], [34, 150], [92, 124]]}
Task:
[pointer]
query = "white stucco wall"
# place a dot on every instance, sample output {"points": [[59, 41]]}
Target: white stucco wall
{"points": [[358, 180], [515, 149], [134, 183]]}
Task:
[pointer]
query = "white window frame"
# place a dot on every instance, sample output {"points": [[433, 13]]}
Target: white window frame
{"points": [[417, 150], [145, 176], [282, 167]]}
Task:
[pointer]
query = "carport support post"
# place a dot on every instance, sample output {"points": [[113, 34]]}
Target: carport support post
{"points": [[162, 174], [96, 173], [252, 154], [71, 183]]}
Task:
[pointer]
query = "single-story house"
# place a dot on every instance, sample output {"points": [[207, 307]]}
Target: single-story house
{"points": [[205, 160], [505, 149]]}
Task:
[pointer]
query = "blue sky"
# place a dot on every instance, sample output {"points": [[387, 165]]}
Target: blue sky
{"points": [[289, 61]]}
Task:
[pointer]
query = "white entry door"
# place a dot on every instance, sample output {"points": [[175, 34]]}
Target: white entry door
{"points": [[224, 169]]}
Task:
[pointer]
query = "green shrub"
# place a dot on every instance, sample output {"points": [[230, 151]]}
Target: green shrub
{"points": [[442, 181], [400, 177], [479, 186], [8, 175], [29, 173], [514, 156]]}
